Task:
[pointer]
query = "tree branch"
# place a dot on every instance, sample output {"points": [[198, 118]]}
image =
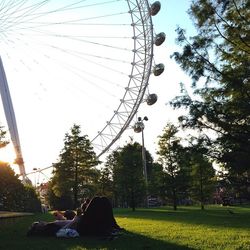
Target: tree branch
{"points": [[229, 41], [208, 62], [238, 11]]}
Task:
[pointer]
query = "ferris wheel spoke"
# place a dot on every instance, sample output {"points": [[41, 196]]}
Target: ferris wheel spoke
{"points": [[98, 50]]}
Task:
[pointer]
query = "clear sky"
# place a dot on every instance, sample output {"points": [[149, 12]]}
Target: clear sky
{"points": [[46, 105]]}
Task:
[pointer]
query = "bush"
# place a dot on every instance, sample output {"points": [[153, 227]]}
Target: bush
{"points": [[14, 196]]}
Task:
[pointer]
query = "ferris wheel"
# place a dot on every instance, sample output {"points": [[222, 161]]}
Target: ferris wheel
{"points": [[100, 51]]}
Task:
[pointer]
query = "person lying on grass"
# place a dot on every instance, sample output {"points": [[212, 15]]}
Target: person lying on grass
{"points": [[67, 215], [59, 215], [97, 220]]}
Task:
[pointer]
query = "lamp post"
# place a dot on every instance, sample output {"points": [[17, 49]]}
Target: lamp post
{"points": [[35, 169], [36, 177], [139, 127]]}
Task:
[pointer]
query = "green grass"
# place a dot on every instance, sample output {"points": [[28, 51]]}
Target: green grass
{"points": [[163, 228]]}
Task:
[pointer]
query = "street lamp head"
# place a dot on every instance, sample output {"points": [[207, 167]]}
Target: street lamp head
{"points": [[145, 118], [139, 126]]}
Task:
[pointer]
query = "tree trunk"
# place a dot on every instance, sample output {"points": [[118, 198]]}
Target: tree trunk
{"points": [[201, 189], [174, 199], [76, 187], [133, 201]]}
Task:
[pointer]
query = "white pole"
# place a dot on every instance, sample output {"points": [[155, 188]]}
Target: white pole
{"points": [[144, 160], [11, 120]]}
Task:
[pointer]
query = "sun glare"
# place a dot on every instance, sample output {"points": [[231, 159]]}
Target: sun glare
{"points": [[7, 155]]}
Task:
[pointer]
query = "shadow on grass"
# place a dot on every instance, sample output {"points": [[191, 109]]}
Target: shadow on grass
{"points": [[13, 236], [234, 217], [13, 232]]}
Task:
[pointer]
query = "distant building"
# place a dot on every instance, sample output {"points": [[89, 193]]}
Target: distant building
{"points": [[42, 191]]}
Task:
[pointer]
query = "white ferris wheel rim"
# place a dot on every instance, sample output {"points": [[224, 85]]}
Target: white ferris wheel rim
{"points": [[138, 79]]}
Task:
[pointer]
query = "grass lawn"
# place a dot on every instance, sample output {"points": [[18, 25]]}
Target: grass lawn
{"points": [[162, 228]]}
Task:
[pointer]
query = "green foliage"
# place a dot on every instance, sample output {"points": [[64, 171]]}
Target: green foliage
{"points": [[125, 164], [58, 202], [31, 200], [218, 61], [105, 184], [173, 158], [157, 186], [202, 173], [3, 142], [131, 180], [169, 150], [14, 196], [75, 174], [111, 165]]}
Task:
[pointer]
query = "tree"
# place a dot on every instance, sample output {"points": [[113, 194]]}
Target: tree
{"points": [[105, 183], [10, 187], [14, 196], [127, 175], [217, 59], [56, 200], [157, 185], [111, 164], [131, 182], [3, 141], [75, 173], [202, 182], [31, 201], [173, 159]]}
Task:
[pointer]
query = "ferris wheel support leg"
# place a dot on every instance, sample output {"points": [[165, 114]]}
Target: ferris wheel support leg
{"points": [[11, 120]]}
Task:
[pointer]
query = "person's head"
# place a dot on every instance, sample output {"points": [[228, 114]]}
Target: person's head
{"points": [[58, 215], [55, 213], [69, 214]]}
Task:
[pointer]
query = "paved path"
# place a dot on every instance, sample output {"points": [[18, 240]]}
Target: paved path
{"points": [[7, 214]]}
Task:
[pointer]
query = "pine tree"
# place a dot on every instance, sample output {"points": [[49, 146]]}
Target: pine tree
{"points": [[173, 159], [75, 173], [202, 173], [129, 184]]}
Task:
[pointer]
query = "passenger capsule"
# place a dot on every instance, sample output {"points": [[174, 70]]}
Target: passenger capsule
{"points": [[151, 99], [155, 8], [160, 38], [158, 69]]}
